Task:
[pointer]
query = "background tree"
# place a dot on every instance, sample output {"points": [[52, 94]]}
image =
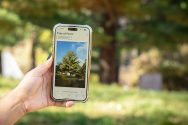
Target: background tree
{"points": [[117, 24], [11, 30]]}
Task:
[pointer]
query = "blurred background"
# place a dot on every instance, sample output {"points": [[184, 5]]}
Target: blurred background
{"points": [[139, 72]]}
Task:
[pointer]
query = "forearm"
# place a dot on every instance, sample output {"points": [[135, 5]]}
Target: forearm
{"points": [[11, 108]]}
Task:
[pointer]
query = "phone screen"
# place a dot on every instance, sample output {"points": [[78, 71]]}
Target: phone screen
{"points": [[70, 65]]}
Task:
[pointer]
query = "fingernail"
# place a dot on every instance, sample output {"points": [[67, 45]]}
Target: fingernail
{"points": [[50, 55], [49, 60]]}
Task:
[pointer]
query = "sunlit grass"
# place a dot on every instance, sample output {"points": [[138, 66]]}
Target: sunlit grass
{"points": [[6, 84], [113, 105]]}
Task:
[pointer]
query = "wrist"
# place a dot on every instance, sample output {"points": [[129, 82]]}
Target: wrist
{"points": [[18, 98]]}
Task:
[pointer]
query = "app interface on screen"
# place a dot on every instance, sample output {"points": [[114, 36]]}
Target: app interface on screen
{"points": [[70, 66]]}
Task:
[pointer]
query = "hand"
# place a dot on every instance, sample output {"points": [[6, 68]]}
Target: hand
{"points": [[31, 94], [35, 88]]}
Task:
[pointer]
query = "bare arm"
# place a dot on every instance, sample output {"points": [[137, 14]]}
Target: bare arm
{"points": [[33, 93], [11, 108]]}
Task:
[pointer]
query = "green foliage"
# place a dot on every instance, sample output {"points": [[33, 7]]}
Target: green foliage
{"points": [[70, 72], [173, 79], [112, 105], [6, 84], [158, 23], [10, 30], [148, 23], [141, 24], [8, 20], [173, 67], [45, 39], [164, 24], [82, 71], [70, 63]]}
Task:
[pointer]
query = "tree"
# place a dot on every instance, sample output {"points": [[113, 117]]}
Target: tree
{"points": [[14, 29], [117, 24], [82, 71], [38, 12], [11, 30], [70, 64]]}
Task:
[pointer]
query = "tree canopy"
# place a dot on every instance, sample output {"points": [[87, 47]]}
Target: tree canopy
{"points": [[116, 24], [70, 63]]}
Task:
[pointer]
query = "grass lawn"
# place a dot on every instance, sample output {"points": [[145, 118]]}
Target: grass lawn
{"points": [[112, 105]]}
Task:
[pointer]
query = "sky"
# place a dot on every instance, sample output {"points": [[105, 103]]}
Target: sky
{"points": [[63, 47]]}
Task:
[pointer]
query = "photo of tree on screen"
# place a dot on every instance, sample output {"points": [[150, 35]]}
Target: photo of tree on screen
{"points": [[70, 64]]}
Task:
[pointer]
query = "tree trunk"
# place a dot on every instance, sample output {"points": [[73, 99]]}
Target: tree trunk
{"points": [[0, 62], [108, 59], [33, 50]]}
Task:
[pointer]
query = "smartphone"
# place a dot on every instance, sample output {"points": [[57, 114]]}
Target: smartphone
{"points": [[72, 58]]}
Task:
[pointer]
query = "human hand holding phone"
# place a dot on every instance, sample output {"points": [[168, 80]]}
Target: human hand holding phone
{"points": [[36, 93], [36, 89], [33, 93]]}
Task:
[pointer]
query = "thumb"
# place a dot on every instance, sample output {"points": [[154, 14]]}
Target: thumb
{"points": [[43, 68]]}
